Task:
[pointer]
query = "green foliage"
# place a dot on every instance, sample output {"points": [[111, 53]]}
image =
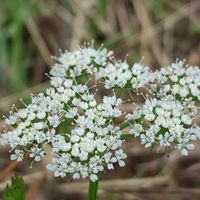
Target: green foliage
{"points": [[16, 191], [103, 5], [12, 23], [195, 28], [159, 9]]}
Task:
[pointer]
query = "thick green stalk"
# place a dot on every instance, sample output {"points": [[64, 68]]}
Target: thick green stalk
{"points": [[92, 191]]}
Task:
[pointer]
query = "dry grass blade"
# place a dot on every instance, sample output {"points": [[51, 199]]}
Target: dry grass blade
{"points": [[34, 187], [82, 12], [149, 36], [63, 14], [8, 169], [11, 167], [171, 20], [168, 194], [122, 15], [168, 42], [119, 185], [39, 41], [7, 101]]}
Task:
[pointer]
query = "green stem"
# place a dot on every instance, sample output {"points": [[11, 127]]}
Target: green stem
{"points": [[92, 191]]}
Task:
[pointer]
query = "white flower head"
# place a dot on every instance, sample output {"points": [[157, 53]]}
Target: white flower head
{"points": [[166, 122], [18, 155], [82, 131], [179, 80]]}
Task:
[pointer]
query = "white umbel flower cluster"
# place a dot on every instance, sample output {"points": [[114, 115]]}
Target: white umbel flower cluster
{"points": [[178, 80], [141, 75], [91, 143], [83, 60], [115, 74], [120, 75], [82, 132], [166, 122]]}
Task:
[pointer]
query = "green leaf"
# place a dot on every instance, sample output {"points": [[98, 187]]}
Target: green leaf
{"points": [[16, 191]]}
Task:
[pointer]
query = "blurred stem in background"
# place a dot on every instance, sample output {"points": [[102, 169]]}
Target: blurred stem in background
{"points": [[12, 52]]}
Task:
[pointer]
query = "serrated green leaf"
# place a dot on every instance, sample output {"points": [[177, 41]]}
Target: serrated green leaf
{"points": [[16, 191]]}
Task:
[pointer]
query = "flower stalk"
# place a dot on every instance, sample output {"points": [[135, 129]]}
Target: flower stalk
{"points": [[92, 191]]}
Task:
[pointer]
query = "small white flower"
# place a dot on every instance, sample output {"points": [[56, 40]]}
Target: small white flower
{"points": [[38, 125], [76, 176], [36, 153], [184, 152], [19, 154], [22, 113], [186, 119], [93, 177], [54, 120], [11, 120], [41, 115]]}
